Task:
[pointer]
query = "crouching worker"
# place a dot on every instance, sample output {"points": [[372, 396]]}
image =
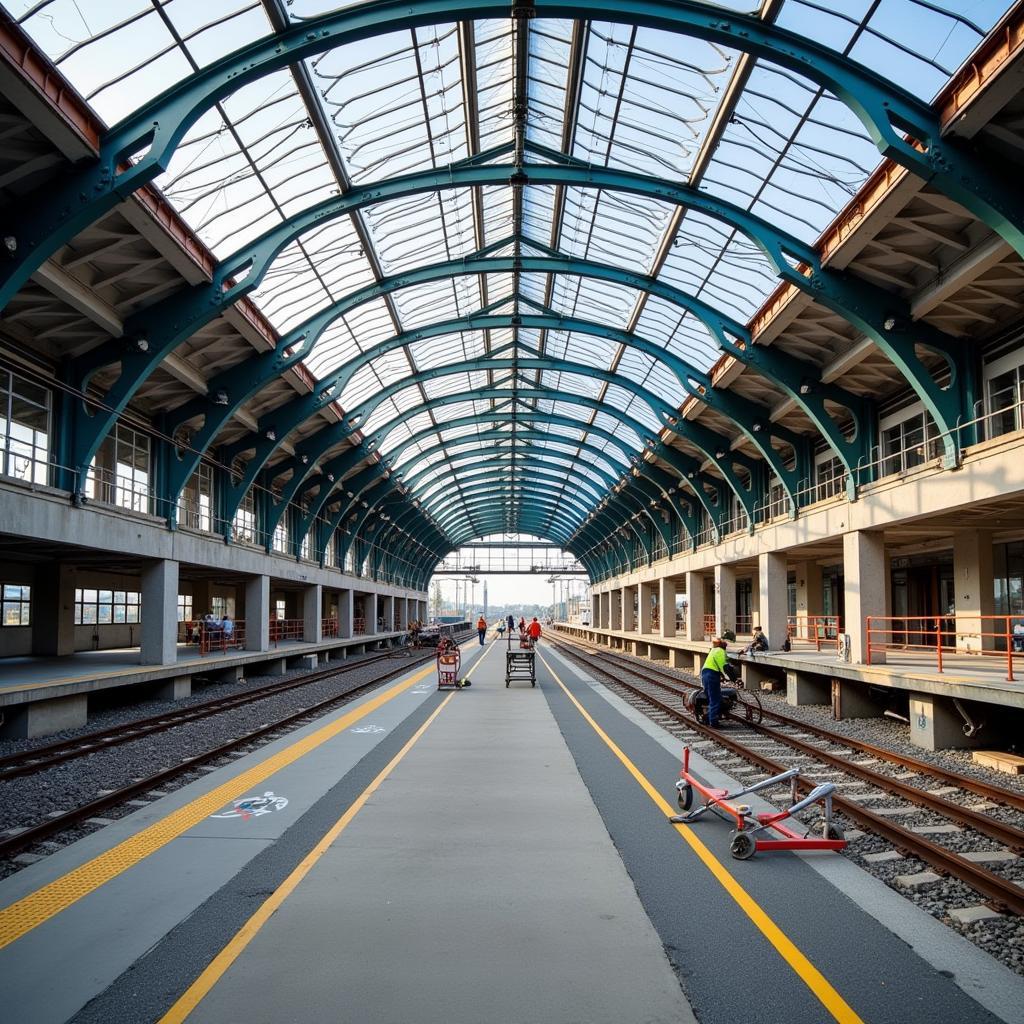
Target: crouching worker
{"points": [[711, 679]]}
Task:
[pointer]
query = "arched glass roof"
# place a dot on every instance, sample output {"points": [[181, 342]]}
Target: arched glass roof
{"points": [[494, 321]]}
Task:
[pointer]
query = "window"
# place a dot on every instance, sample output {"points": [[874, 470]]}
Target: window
{"points": [[221, 606], [331, 553], [830, 474], [107, 607], [304, 548], [244, 523], [24, 429], [184, 607], [195, 507], [280, 541], [910, 442], [119, 475], [1004, 402], [280, 608], [778, 501], [17, 605]]}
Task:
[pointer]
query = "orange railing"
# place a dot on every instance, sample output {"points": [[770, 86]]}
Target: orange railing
{"points": [[710, 626], [941, 636], [286, 629], [215, 639], [815, 629], [359, 626], [329, 626]]}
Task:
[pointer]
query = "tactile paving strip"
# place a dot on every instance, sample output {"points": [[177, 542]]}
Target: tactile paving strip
{"points": [[33, 910]]}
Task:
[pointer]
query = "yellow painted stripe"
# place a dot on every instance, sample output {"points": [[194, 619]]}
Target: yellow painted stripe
{"points": [[786, 948], [217, 967], [33, 910]]}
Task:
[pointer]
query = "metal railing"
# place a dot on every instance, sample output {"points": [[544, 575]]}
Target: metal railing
{"points": [[710, 626], [205, 638], [814, 629], [744, 625], [942, 636], [329, 627], [359, 626], [286, 629]]}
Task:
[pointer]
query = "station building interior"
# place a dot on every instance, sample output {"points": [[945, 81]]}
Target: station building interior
{"points": [[722, 306]]}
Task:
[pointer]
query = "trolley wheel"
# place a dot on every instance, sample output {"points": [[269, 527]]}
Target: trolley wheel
{"points": [[833, 831], [743, 846], [684, 797]]}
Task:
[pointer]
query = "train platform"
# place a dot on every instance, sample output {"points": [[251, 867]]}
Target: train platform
{"points": [[42, 695], [491, 854], [975, 677]]}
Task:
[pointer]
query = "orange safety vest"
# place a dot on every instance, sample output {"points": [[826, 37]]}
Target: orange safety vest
{"points": [[481, 623], [533, 629]]}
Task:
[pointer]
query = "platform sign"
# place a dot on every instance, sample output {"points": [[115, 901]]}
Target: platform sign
{"points": [[253, 807]]}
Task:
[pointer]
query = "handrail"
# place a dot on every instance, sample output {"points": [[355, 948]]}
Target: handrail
{"points": [[1000, 636], [814, 629]]}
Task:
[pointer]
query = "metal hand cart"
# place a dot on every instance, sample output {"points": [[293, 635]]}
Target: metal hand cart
{"points": [[752, 830], [449, 667], [520, 660]]}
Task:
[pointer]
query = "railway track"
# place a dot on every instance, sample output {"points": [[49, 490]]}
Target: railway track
{"points": [[666, 694], [57, 753], [28, 762]]}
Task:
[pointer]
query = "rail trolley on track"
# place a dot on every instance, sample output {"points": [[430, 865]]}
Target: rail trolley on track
{"points": [[520, 660]]}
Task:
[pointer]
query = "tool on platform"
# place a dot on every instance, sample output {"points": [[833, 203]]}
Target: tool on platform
{"points": [[763, 831]]}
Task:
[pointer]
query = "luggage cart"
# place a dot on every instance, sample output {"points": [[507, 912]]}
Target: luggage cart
{"points": [[752, 830], [449, 666], [520, 660]]}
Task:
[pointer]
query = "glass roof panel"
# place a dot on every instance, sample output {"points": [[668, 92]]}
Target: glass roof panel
{"points": [[417, 100]]}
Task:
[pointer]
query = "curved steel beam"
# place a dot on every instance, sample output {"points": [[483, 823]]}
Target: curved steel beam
{"points": [[55, 213], [301, 464]]}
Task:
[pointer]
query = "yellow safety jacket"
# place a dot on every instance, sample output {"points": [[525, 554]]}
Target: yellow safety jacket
{"points": [[716, 660]]}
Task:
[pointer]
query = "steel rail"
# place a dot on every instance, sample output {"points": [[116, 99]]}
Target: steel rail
{"points": [[996, 888], [11, 844], [988, 790], [28, 762]]}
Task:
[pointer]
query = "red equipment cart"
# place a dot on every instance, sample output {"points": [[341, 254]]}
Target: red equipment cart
{"points": [[449, 666], [752, 829]]}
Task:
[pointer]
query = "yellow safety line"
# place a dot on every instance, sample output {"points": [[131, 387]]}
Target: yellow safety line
{"points": [[220, 964], [786, 948], [33, 910]]}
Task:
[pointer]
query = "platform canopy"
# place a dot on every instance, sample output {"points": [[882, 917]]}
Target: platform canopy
{"points": [[509, 244]]}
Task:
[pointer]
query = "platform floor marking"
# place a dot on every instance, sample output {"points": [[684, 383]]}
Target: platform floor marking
{"points": [[220, 964], [38, 907], [839, 1009]]}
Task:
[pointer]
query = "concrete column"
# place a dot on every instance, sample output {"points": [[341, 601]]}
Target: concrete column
{"points": [[370, 604], [647, 592], [694, 606], [667, 607], [974, 590], [345, 614], [935, 724], [807, 688], [866, 585], [53, 611], [615, 614], [389, 613], [725, 598], [159, 613], [312, 614], [773, 598], [257, 613], [628, 614]]}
